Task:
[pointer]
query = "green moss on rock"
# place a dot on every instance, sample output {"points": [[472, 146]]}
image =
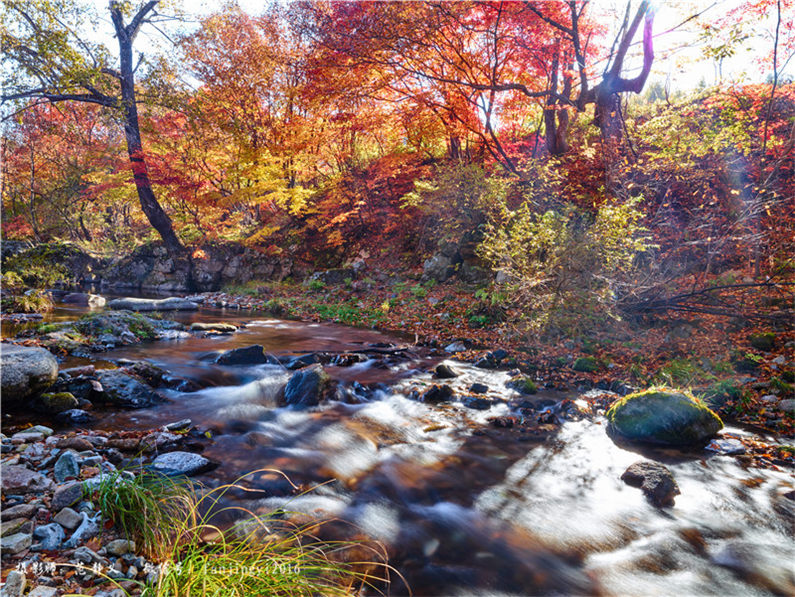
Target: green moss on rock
{"points": [[57, 402], [587, 365], [663, 416], [523, 384], [764, 341]]}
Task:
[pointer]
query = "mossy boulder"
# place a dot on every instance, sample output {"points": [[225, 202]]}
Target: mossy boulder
{"points": [[764, 341], [663, 416], [587, 365], [523, 384], [56, 402]]}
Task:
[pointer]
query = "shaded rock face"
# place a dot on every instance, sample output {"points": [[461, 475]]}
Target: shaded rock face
{"points": [[150, 267], [307, 386], [655, 480], [25, 371], [662, 417], [247, 355], [124, 390], [140, 304]]}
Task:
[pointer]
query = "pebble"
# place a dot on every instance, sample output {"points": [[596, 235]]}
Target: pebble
{"points": [[119, 547], [68, 519]]}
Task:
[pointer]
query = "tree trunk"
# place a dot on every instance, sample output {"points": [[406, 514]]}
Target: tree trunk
{"points": [[157, 217]]}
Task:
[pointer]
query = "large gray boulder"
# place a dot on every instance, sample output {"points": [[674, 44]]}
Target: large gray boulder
{"points": [[662, 416], [172, 303], [25, 371]]}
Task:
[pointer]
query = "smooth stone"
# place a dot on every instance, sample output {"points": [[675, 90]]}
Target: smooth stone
{"points": [[172, 303], [79, 444], [213, 327], [16, 542], [50, 536], [307, 386], [455, 347], [43, 591], [478, 388], [476, 403], [20, 479], [655, 480], [83, 298], [444, 371], [178, 425], [25, 437], [68, 518], [119, 547], [14, 585], [437, 393], [246, 355], [43, 429], [18, 511], [181, 463], [66, 466], [66, 495], [787, 405], [85, 555], [769, 398], [24, 371], [726, 446]]}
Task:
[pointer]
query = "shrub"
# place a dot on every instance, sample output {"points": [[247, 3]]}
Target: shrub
{"points": [[567, 267]]}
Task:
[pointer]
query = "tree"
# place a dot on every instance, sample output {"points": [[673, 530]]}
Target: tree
{"points": [[53, 63]]}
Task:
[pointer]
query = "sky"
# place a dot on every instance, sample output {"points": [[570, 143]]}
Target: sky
{"points": [[679, 54]]}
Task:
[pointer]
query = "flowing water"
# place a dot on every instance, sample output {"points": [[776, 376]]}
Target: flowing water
{"points": [[463, 507]]}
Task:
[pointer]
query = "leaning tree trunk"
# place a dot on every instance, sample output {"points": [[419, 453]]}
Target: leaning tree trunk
{"points": [[154, 212]]}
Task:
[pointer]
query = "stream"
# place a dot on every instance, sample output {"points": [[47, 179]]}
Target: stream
{"points": [[463, 507]]}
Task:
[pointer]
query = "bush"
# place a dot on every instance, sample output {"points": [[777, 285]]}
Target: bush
{"points": [[567, 267]]}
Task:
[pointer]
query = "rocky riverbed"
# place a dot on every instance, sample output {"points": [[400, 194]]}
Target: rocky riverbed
{"points": [[470, 472]]}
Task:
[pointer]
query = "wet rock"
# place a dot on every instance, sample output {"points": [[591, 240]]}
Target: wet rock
{"points": [[14, 585], [437, 393], [20, 479], [57, 402], [444, 371], [18, 511], [83, 298], [172, 303], [476, 403], [66, 495], [655, 480], [226, 328], [181, 463], [15, 543], [73, 416], [307, 387], [25, 371], [178, 425], [65, 467], [159, 440], [726, 446], [506, 422], [50, 536], [85, 531], [478, 388], [662, 417], [347, 359], [248, 355], [301, 361], [124, 390], [487, 361], [523, 384], [68, 519]]}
